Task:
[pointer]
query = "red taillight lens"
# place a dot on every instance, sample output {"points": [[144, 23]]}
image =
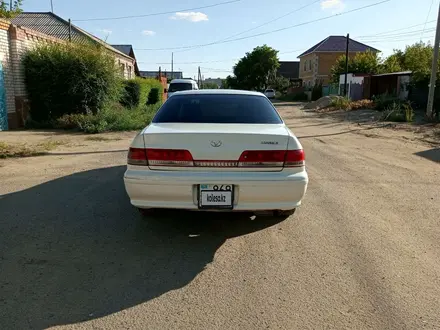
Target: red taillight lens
{"points": [[169, 157], [272, 158], [262, 158], [137, 156], [294, 158]]}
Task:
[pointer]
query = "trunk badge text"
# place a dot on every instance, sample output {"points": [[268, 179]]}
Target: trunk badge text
{"points": [[216, 144], [269, 142]]}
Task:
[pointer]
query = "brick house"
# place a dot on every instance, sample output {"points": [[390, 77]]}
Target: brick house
{"points": [[129, 51], [316, 62], [23, 33]]}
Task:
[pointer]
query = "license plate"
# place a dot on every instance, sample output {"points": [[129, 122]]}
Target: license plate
{"points": [[217, 196]]}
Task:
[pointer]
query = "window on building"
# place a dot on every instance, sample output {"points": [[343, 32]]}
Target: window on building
{"points": [[129, 72], [122, 69], [310, 65], [305, 65]]}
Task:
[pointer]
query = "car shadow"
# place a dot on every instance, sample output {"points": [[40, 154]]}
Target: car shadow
{"points": [[431, 154], [74, 249]]}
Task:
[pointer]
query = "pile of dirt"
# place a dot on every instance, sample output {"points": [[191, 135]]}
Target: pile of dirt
{"points": [[321, 103]]}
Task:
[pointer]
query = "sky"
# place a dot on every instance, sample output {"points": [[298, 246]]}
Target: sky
{"points": [[385, 26]]}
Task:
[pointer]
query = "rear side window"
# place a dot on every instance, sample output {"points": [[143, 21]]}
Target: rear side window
{"points": [[218, 108], [177, 87]]}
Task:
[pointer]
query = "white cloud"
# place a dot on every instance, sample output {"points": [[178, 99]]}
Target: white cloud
{"points": [[105, 31], [190, 16], [148, 33], [333, 5]]}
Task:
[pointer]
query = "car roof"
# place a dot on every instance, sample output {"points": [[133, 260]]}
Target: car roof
{"points": [[220, 92], [190, 81]]}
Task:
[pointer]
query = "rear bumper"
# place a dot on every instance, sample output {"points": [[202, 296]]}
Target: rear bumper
{"points": [[252, 191]]}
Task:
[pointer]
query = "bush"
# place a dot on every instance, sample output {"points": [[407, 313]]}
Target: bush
{"points": [[399, 112], [383, 101], [131, 95], [341, 103], [69, 79], [137, 91], [114, 118], [154, 96]]}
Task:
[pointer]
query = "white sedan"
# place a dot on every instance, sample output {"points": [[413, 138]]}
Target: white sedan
{"points": [[270, 93], [217, 150]]}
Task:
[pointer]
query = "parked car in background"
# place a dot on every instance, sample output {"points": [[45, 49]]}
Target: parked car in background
{"points": [[270, 93], [217, 150], [178, 85]]}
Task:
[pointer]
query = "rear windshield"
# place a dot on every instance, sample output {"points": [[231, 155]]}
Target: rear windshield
{"points": [[269, 90], [177, 87], [217, 108]]}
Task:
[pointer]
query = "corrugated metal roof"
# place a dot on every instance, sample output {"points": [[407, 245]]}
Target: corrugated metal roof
{"points": [[55, 26], [126, 49], [338, 44], [401, 73]]}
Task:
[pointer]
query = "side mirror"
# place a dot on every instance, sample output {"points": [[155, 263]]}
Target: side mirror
{"points": [[165, 90]]}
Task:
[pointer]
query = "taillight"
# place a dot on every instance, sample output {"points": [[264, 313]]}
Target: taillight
{"points": [[169, 157], [272, 158], [294, 158], [262, 158], [137, 156]]}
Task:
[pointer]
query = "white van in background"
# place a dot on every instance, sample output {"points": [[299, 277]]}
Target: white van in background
{"points": [[178, 85]]}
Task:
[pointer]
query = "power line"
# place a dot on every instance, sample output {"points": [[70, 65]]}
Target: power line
{"points": [[388, 36], [270, 32], [405, 28], [215, 61], [427, 17], [155, 14], [263, 24], [398, 40]]}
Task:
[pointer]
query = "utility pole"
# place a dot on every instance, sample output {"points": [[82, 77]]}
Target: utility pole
{"points": [[172, 65], [346, 64], [70, 30], [51, 5], [429, 112]]}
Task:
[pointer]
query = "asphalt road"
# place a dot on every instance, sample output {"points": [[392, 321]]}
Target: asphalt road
{"points": [[363, 252]]}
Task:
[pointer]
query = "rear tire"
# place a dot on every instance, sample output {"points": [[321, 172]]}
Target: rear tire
{"points": [[284, 213]]}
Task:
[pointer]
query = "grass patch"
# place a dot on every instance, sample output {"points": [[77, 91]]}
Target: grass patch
{"points": [[101, 138], [115, 118], [22, 150], [399, 112], [343, 103]]}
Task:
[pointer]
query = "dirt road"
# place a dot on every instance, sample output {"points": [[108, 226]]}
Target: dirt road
{"points": [[363, 252]]}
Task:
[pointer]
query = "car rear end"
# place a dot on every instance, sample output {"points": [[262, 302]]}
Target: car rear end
{"points": [[270, 93], [205, 152]]}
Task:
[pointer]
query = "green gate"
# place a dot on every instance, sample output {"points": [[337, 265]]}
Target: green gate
{"points": [[3, 110]]}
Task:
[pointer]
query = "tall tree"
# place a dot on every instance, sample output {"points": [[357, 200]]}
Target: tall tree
{"points": [[418, 59], [367, 62], [255, 69], [8, 11]]}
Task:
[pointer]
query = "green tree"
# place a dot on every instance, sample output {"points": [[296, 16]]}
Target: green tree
{"points": [[392, 64], [418, 59], [367, 62], [209, 85], [7, 11], [253, 71], [279, 83], [230, 83]]}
